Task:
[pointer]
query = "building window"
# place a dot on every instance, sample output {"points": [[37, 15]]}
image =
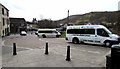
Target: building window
{"points": [[8, 22], [3, 32], [7, 13], [3, 11], [3, 21]]}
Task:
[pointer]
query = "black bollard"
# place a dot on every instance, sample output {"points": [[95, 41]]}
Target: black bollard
{"points": [[68, 54], [46, 49], [14, 49], [115, 57]]}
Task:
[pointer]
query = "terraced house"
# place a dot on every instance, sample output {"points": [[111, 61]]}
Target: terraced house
{"points": [[4, 21]]}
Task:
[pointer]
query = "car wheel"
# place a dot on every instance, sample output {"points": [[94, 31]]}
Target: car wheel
{"points": [[108, 44], [75, 41], [44, 36]]}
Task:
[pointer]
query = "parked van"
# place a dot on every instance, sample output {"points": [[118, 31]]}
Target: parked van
{"points": [[47, 33], [93, 34]]}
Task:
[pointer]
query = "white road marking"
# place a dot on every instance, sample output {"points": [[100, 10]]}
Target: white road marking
{"points": [[24, 48], [21, 47], [3, 44], [40, 39], [94, 52]]}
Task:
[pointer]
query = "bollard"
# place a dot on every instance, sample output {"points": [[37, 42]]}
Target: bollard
{"points": [[14, 49], [108, 61], [68, 54], [115, 57], [46, 49]]}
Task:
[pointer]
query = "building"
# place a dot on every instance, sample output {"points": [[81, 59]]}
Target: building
{"points": [[17, 25], [4, 21]]}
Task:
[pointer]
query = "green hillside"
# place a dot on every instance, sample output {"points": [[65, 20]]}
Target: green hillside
{"points": [[110, 19]]}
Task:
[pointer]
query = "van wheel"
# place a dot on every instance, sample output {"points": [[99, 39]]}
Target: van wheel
{"points": [[75, 41], [38, 35], [44, 36], [57, 36], [108, 43]]}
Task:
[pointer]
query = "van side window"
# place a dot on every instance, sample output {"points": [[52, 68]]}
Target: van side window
{"points": [[102, 32], [44, 31], [73, 31], [89, 31], [81, 31], [54, 32]]}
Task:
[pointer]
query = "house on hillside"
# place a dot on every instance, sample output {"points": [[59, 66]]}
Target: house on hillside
{"points": [[4, 21], [17, 25]]}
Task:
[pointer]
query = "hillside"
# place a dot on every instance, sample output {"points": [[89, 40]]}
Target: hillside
{"points": [[111, 19], [93, 17]]}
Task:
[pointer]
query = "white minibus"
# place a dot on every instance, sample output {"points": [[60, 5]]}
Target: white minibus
{"points": [[47, 33], [94, 34]]}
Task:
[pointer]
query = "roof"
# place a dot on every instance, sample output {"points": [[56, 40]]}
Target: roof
{"points": [[4, 6], [17, 20], [85, 26]]}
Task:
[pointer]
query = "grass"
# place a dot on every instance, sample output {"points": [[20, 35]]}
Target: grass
{"points": [[63, 34]]}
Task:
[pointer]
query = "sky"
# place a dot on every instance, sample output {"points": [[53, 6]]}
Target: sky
{"points": [[56, 9]]}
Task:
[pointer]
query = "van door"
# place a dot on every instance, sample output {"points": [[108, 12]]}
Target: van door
{"points": [[54, 33], [89, 35], [101, 35], [49, 33]]}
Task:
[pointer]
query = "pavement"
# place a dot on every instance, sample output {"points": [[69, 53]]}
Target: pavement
{"points": [[55, 58]]}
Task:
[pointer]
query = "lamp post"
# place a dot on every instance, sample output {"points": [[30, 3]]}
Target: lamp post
{"points": [[68, 17]]}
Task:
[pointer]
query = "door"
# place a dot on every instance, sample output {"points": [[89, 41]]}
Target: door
{"points": [[89, 35], [101, 36]]}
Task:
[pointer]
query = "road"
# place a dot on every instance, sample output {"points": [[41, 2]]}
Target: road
{"points": [[87, 52]]}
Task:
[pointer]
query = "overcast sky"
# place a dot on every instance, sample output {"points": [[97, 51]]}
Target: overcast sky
{"points": [[56, 9]]}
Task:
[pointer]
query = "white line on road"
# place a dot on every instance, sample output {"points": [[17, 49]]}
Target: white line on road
{"points": [[20, 47], [94, 52], [40, 39], [25, 48]]}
